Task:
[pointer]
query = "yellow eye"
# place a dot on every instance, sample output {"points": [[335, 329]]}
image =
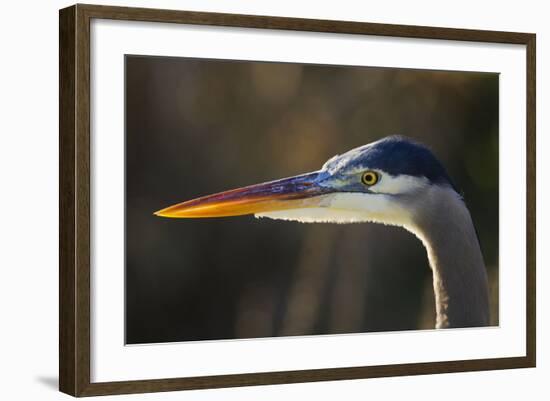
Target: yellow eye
{"points": [[369, 178]]}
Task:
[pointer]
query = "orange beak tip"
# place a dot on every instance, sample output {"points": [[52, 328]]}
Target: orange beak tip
{"points": [[161, 213]]}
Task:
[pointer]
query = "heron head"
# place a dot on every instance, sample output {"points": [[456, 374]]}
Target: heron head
{"points": [[381, 182]]}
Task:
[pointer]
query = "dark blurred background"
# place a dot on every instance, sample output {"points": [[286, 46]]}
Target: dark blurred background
{"points": [[196, 126]]}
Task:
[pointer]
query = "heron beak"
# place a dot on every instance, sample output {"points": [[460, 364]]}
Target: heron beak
{"points": [[289, 193]]}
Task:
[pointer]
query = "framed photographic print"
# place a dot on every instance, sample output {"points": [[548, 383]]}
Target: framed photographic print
{"points": [[252, 200]]}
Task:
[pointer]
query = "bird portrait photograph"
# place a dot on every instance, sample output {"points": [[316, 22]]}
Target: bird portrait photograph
{"points": [[271, 199]]}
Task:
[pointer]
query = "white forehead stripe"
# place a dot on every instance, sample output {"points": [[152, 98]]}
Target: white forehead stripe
{"points": [[388, 184], [400, 184]]}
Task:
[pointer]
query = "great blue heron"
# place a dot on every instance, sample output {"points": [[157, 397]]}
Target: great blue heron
{"points": [[393, 181]]}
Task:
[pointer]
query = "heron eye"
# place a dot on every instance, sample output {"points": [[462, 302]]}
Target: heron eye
{"points": [[369, 178]]}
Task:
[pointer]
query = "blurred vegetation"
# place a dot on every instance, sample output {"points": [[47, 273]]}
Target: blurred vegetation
{"points": [[195, 127]]}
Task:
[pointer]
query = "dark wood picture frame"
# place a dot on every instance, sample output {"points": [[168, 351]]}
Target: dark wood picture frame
{"points": [[74, 204]]}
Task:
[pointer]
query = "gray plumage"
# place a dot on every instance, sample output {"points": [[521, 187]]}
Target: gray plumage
{"points": [[438, 216], [444, 225]]}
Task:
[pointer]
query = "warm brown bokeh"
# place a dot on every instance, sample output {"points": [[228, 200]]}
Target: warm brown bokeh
{"points": [[196, 127]]}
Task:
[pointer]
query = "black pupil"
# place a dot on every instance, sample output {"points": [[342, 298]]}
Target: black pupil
{"points": [[369, 177]]}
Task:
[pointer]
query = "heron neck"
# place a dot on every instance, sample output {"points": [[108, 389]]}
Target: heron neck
{"points": [[459, 276]]}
